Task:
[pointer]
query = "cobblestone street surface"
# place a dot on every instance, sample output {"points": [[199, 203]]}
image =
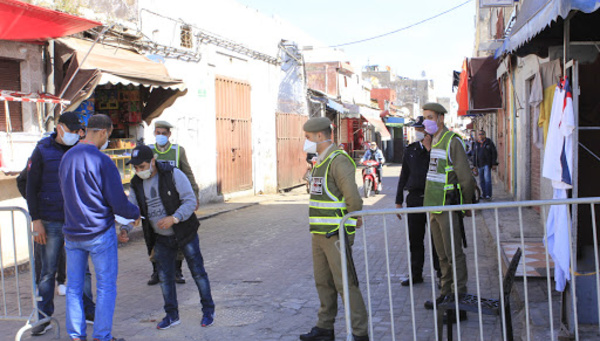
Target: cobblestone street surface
{"points": [[258, 258]]}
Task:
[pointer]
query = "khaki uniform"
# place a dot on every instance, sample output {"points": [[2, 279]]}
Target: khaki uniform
{"points": [[440, 223], [326, 256], [183, 165]]}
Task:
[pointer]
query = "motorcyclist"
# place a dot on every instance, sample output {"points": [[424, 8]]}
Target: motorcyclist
{"points": [[376, 154]]}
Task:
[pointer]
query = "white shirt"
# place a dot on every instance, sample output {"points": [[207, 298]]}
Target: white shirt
{"points": [[558, 155]]}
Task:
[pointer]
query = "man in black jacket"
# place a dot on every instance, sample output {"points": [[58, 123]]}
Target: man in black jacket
{"points": [[412, 178], [167, 202], [485, 159]]}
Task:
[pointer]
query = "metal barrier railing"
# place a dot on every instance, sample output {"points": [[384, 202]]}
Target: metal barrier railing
{"points": [[22, 312], [476, 211]]}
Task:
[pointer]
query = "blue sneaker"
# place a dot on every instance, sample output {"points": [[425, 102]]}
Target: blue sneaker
{"points": [[168, 322], [208, 319]]}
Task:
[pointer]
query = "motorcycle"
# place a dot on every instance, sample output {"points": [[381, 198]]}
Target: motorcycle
{"points": [[370, 179]]}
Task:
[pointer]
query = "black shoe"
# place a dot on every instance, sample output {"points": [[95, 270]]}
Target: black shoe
{"points": [[360, 338], [416, 280], [42, 329], [451, 314], [153, 279], [179, 278], [318, 334], [429, 304]]}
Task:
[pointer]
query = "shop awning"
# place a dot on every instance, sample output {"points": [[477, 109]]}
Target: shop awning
{"points": [[331, 104], [535, 15], [462, 94], [32, 97], [372, 116], [112, 65], [25, 22], [395, 122]]}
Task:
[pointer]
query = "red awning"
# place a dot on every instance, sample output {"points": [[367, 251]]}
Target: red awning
{"points": [[26, 22]]}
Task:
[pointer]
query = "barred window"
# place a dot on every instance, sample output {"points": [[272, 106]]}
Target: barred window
{"points": [[186, 36]]}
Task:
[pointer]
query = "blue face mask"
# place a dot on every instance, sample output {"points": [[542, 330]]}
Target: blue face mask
{"points": [[161, 140]]}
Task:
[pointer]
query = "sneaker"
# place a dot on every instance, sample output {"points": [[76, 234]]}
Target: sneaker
{"points": [[113, 339], [168, 322], [41, 329], [62, 290], [429, 304], [89, 319], [416, 280], [179, 278], [153, 279], [208, 319]]}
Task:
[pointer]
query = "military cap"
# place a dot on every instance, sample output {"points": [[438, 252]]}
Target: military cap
{"points": [[163, 124], [438, 108], [317, 124]]}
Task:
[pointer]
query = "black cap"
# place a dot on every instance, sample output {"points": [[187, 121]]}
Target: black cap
{"points": [[141, 154], [418, 123], [71, 120]]}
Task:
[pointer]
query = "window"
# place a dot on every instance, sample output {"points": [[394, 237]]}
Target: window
{"points": [[10, 79], [186, 36]]}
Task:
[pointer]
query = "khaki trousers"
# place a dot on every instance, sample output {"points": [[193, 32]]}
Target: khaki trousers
{"points": [[327, 266], [440, 231]]}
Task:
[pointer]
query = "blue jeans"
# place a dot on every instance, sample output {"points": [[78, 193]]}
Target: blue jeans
{"points": [[485, 179], [103, 251], [50, 256], [165, 254]]}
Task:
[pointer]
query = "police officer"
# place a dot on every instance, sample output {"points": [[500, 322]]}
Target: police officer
{"points": [[333, 194], [164, 150], [412, 178], [449, 182]]}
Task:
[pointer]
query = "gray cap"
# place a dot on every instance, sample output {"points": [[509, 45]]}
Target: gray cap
{"points": [[317, 124], [418, 123], [163, 124], [438, 108]]}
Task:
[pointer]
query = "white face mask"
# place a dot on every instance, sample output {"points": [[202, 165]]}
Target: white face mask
{"points": [[161, 140], [105, 144], [69, 139], [419, 135], [311, 147], [145, 174]]}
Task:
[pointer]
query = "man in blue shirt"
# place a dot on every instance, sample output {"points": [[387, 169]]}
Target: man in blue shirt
{"points": [[376, 154], [45, 204], [93, 195]]}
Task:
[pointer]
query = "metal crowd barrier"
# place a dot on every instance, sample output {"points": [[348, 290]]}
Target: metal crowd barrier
{"points": [[483, 331], [22, 304]]}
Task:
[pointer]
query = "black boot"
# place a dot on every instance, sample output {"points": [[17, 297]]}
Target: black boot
{"points": [[154, 277], [451, 314], [429, 304], [318, 334], [179, 273], [360, 338]]}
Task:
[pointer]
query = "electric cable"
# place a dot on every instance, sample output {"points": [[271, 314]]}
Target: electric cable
{"points": [[403, 28]]}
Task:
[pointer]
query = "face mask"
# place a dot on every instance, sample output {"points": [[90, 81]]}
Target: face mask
{"points": [[69, 139], [430, 127], [419, 135], [373, 149], [310, 146], [105, 144], [145, 174], [161, 140]]}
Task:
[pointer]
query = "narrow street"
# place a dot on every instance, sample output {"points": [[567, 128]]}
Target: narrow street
{"points": [[259, 262]]}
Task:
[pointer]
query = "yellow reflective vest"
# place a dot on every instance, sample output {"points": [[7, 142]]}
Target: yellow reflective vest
{"points": [[438, 185], [325, 209]]}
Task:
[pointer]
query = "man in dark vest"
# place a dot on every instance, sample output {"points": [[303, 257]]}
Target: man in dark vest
{"points": [[164, 150], [45, 204], [167, 202]]}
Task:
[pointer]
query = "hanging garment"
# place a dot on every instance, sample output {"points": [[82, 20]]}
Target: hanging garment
{"points": [[536, 97], [558, 154], [559, 229]]}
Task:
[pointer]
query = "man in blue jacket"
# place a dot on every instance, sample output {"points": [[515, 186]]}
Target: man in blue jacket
{"points": [[93, 195], [167, 200], [376, 154], [45, 204]]}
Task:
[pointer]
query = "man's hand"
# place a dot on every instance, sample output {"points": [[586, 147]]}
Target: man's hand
{"points": [[197, 205], [138, 221], [123, 237], [39, 232], [427, 142], [358, 222], [166, 222], [399, 215]]}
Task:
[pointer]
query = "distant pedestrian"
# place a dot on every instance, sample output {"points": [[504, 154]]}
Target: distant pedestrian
{"points": [[486, 159], [175, 154], [412, 178], [167, 201], [45, 204], [374, 153], [93, 194], [333, 194]]}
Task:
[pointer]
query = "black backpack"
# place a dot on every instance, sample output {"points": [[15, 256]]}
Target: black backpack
{"points": [[22, 180]]}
